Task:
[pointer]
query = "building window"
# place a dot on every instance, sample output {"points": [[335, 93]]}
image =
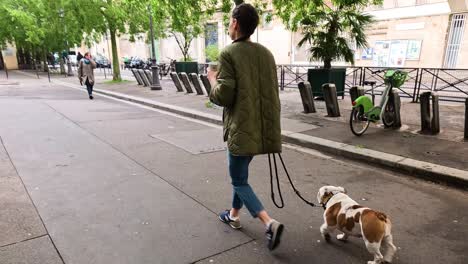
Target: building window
{"points": [[457, 27]]}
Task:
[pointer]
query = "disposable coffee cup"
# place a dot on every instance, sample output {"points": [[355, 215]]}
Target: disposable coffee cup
{"points": [[213, 66]]}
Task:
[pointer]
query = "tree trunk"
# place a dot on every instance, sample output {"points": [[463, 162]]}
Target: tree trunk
{"points": [[44, 57], [327, 63], [115, 57]]}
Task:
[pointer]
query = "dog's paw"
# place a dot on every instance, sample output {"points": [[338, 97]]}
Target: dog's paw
{"points": [[327, 237], [342, 237], [371, 262]]}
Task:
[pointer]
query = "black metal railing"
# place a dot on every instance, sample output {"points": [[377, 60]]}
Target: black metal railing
{"points": [[450, 84]]}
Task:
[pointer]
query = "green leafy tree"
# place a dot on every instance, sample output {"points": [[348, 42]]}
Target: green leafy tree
{"points": [[38, 27], [185, 20], [328, 26], [113, 17], [212, 52]]}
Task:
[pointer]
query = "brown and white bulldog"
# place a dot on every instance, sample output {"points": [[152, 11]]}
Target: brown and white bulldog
{"points": [[346, 215]]}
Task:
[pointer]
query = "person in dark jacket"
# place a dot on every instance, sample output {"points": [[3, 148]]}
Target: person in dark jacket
{"points": [[246, 85], [86, 73], [79, 57]]}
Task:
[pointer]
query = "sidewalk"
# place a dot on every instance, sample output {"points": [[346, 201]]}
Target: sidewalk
{"points": [[440, 158]]}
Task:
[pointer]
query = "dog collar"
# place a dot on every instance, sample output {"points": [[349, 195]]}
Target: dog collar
{"points": [[324, 205]]}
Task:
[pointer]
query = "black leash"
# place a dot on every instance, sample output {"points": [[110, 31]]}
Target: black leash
{"points": [[278, 183]]}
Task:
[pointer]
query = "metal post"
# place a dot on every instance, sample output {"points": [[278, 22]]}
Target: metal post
{"points": [[156, 85], [429, 119], [307, 97], [205, 81], [137, 77], [395, 100], [415, 86], [70, 71], [185, 80], [331, 100], [48, 73], [35, 67], [355, 92], [105, 76], [466, 119], [176, 80], [435, 124], [196, 83], [282, 77]]}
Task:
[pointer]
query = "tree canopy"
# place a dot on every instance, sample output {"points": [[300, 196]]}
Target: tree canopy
{"points": [[327, 25]]}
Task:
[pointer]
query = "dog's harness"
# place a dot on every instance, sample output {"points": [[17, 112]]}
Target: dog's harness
{"points": [[278, 185]]}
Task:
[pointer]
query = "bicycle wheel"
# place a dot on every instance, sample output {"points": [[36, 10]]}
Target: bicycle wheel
{"points": [[358, 121], [388, 117]]}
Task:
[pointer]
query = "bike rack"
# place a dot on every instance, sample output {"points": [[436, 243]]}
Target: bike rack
{"points": [[176, 80], [143, 78], [355, 92], [185, 80], [429, 119], [307, 97], [149, 76], [196, 83], [206, 83], [331, 100], [137, 77], [395, 100]]}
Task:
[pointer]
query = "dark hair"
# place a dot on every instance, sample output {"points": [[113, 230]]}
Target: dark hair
{"points": [[247, 17]]}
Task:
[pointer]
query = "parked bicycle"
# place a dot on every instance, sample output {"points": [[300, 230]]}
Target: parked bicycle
{"points": [[166, 68], [364, 112]]}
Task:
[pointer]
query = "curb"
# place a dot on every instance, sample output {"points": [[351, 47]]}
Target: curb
{"points": [[419, 169]]}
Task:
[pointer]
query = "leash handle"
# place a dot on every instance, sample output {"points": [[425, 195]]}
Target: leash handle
{"points": [[278, 184]]}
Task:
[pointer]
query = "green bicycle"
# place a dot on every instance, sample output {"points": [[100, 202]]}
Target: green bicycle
{"points": [[364, 112]]}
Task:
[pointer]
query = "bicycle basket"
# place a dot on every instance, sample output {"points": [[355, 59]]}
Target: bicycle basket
{"points": [[396, 78]]}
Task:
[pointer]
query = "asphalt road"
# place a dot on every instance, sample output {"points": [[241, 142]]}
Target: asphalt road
{"points": [[105, 181]]}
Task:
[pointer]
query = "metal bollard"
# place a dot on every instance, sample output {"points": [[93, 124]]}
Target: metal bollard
{"points": [[355, 92], [466, 119], [185, 80], [331, 100], [196, 83], [307, 97], [206, 83], [149, 76], [429, 119], [137, 77], [143, 78], [176, 80], [395, 100]]}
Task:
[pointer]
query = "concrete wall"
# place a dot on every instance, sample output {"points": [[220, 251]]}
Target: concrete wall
{"points": [[431, 31]]}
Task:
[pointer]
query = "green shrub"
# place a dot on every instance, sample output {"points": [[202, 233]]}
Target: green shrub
{"points": [[212, 52]]}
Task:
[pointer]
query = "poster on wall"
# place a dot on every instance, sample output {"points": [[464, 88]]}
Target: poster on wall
{"points": [[414, 50], [367, 54], [397, 53], [381, 53]]}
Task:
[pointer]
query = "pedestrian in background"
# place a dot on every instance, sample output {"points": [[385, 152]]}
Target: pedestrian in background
{"points": [[79, 57], [246, 85], [86, 73]]}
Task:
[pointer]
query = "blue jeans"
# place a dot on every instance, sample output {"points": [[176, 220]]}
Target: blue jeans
{"points": [[89, 87], [243, 194]]}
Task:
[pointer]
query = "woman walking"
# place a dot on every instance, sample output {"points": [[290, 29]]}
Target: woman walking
{"points": [[86, 73]]}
